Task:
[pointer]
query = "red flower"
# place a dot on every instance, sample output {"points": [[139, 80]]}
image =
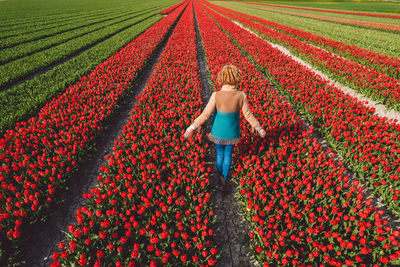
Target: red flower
{"points": [[82, 260], [72, 245], [100, 254], [365, 250], [150, 247], [154, 240], [212, 261], [134, 254], [175, 252], [183, 258]]}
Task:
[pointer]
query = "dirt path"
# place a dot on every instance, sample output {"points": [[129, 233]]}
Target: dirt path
{"points": [[232, 234], [45, 238]]}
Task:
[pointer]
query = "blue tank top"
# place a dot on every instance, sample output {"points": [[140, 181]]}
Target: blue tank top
{"points": [[225, 125]]}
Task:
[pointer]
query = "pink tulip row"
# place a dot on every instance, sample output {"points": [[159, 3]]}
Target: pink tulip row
{"points": [[39, 155], [152, 207], [301, 207], [367, 142]]}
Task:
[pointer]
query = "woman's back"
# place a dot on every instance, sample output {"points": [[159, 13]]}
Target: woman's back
{"points": [[225, 105], [229, 101], [225, 128]]}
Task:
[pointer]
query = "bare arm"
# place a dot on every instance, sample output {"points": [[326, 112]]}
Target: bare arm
{"points": [[209, 109], [251, 119], [207, 112], [248, 114]]}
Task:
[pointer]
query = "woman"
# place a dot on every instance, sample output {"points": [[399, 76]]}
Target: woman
{"points": [[225, 130]]}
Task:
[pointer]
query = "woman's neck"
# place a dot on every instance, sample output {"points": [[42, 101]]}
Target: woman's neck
{"points": [[228, 87]]}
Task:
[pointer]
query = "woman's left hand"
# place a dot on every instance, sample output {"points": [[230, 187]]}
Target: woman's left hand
{"points": [[190, 129], [261, 131]]}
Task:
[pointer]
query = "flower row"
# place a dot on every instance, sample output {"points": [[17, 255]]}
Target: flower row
{"points": [[152, 207], [39, 155], [366, 141], [300, 207], [380, 62], [367, 81], [303, 210]]}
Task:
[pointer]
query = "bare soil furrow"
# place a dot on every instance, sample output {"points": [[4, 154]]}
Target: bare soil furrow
{"points": [[232, 233]]}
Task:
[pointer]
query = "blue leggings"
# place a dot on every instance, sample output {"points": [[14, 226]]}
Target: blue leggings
{"points": [[224, 158]]}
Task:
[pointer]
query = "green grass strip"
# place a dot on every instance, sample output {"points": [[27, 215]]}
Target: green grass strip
{"points": [[29, 26], [9, 54], [23, 101], [382, 42], [37, 34], [23, 67]]}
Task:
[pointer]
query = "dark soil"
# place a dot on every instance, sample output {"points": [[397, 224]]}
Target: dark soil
{"points": [[232, 232]]}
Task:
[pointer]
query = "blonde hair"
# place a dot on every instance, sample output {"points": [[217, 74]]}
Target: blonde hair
{"points": [[229, 74]]}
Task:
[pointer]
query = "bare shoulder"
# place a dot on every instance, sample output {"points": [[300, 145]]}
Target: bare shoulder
{"points": [[212, 97]]}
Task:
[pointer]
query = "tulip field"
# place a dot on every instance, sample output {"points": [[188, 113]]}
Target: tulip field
{"points": [[321, 189]]}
